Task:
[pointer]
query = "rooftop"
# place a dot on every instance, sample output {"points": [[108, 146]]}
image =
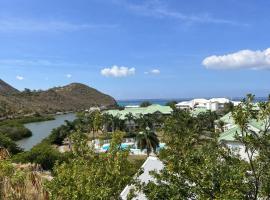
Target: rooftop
{"points": [[137, 111]]}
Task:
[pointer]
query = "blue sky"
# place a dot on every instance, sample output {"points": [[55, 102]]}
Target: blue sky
{"points": [[138, 48]]}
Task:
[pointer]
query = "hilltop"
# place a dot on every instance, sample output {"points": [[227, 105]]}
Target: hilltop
{"points": [[72, 97]]}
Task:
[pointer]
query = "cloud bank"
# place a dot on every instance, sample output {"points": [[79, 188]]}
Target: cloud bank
{"points": [[116, 71], [244, 59]]}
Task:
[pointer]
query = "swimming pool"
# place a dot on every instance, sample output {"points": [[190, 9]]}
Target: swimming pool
{"points": [[106, 147]]}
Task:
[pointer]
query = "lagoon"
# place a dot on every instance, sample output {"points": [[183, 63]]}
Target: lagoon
{"points": [[41, 130]]}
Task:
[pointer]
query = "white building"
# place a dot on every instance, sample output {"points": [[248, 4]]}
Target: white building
{"points": [[187, 105], [213, 104]]}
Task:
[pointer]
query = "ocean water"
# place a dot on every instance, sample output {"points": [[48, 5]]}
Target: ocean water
{"points": [[135, 102]]}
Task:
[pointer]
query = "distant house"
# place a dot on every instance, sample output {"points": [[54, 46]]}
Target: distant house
{"points": [[213, 104], [152, 163]]}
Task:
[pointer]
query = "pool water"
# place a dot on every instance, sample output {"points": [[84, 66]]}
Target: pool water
{"points": [[106, 147], [123, 146]]}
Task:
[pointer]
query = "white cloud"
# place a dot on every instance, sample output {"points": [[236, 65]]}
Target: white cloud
{"points": [[34, 25], [68, 75], [244, 59], [116, 71], [20, 78], [153, 71]]}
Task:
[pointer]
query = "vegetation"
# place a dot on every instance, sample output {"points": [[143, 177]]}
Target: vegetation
{"points": [[148, 140], [14, 128], [145, 104], [198, 167], [92, 176], [27, 119], [196, 164], [43, 154], [228, 107], [15, 131], [171, 104], [19, 182], [10, 145]]}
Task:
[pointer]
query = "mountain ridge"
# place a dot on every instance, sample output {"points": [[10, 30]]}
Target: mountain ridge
{"points": [[72, 97]]}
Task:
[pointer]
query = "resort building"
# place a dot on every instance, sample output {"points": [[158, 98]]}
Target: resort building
{"points": [[213, 104], [130, 114], [138, 111]]}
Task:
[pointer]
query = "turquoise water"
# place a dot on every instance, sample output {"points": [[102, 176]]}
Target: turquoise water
{"points": [[106, 147]]}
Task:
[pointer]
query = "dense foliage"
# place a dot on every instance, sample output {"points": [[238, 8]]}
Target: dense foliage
{"points": [[92, 176], [43, 154], [200, 167]]}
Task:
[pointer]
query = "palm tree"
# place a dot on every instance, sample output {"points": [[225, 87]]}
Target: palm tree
{"points": [[130, 119], [144, 121], [97, 123], [148, 140], [108, 122], [117, 123]]}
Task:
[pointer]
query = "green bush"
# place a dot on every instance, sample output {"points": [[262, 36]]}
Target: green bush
{"points": [[15, 132], [43, 154], [10, 145]]}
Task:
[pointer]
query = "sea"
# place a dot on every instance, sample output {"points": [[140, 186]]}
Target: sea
{"points": [[135, 102]]}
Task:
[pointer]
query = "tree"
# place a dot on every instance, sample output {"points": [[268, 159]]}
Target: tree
{"points": [[228, 107], [97, 122], [206, 121], [88, 175], [148, 140], [171, 104], [256, 144], [144, 121], [145, 104], [129, 121]]}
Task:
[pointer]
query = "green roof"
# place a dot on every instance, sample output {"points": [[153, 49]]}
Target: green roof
{"points": [[229, 135], [227, 119], [136, 112], [257, 124]]}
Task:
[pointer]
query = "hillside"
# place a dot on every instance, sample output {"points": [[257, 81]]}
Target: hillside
{"points": [[6, 89], [72, 97]]}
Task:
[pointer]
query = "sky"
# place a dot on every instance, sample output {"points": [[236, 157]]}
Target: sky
{"points": [[134, 49]]}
